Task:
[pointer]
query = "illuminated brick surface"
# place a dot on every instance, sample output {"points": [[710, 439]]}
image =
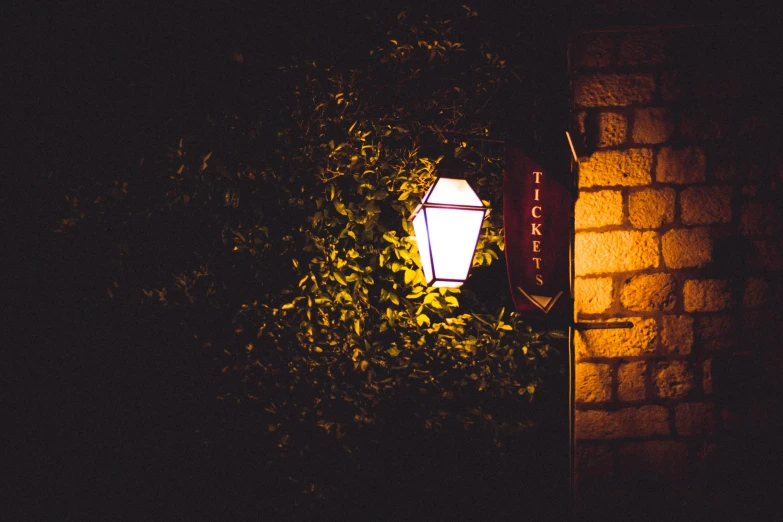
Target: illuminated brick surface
{"points": [[678, 231]]}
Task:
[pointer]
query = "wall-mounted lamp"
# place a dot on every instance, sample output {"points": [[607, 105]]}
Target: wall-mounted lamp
{"points": [[447, 224]]}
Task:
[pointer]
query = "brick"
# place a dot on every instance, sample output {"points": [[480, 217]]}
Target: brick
{"points": [[765, 254], [652, 126], [617, 251], [706, 295], [759, 218], [593, 460], [614, 90], [598, 209], [687, 248], [580, 121], [708, 82], [593, 382], [677, 334], [762, 327], [651, 208], [612, 129], [592, 50], [754, 119], [755, 294], [724, 160], [749, 190], [694, 418], [706, 376], [661, 459], [704, 205], [644, 421], [753, 419], [672, 88], [681, 166], [673, 379], [698, 124], [612, 168], [645, 48], [593, 295], [649, 293], [716, 332], [711, 82], [742, 159], [631, 384], [708, 452], [620, 342]]}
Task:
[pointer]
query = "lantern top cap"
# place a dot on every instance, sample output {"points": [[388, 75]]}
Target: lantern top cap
{"points": [[451, 191]]}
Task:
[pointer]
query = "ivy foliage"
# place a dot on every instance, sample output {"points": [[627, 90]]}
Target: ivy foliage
{"points": [[277, 239]]}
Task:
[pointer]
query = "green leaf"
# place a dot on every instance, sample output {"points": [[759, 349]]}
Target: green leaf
{"points": [[422, 319], [339, 277], [340, 207], [409, 276]]}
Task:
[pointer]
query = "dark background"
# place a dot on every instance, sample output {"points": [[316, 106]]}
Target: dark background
{"points": [[99, 419]]}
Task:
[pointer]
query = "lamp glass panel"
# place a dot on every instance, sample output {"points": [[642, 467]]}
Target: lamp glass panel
{"points": [[423, 242], [450, 191], [452, 235]]}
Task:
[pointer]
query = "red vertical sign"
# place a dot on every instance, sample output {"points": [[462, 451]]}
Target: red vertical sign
{"points": [[537, 225]]}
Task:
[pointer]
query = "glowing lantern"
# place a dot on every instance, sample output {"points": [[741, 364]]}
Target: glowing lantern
{"points": [[447, 226]]}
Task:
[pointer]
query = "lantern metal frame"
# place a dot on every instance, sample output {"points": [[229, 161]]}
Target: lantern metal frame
{"points": [[423, 207]]}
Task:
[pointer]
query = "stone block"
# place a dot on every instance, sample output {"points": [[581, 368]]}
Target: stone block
{"points": [[612, 129], [699, 123], [593, 382], [724, 161], [644, 421], [694, 418], [592, 50], [765, 254], [686, 248], [652, 125], [759, 218], [649, 293], [640, 48], [716, 332], [593, 460], [673, 379], [706, 295], [681, 165], [593, 295], [756, 292], [712, 82], [617, 251], [705, 205], [614, 90], [706, 376], [672, 87], [651, 208], [631, 382], [598, 209], [620, 342], [751, 420], [615, 168], [677, 334], [762, 328], [659, 459]]}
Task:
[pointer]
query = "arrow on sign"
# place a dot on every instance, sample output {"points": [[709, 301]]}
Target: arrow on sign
{"points": [[543, 302]]}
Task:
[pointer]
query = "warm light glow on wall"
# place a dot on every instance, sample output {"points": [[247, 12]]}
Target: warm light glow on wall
{"points": [[447, 226]]}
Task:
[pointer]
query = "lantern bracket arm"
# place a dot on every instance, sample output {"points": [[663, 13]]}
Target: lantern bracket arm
{"points": [[601, 326]]}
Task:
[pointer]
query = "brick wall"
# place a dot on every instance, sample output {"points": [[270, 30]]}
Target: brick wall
{"points": [[678, 229]]}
